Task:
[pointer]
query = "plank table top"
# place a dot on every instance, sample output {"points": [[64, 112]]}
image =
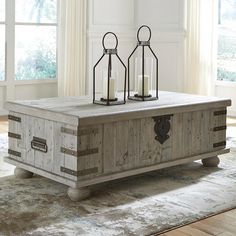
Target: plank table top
{"points": [[81, 110]]}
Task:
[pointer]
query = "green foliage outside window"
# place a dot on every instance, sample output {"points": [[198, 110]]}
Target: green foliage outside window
{"points": [[40, 64], [36, 45], [227, 41], [226, 58]]}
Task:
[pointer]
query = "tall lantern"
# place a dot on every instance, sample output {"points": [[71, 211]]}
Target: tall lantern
{"points": [[109, 78], [145, 70]]}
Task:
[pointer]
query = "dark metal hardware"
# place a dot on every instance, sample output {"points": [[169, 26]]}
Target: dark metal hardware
{"points": [[87, 152], [87, 132], [218, 113], [69, 131], [219, 128], [79, 153], [14, 118], [68, 171], [39, 144], [220, 144], [69, 152], [109, 53], [79, 173], [80, 132], [143, 45], [13, 135], [162, 127], [14, 153]]}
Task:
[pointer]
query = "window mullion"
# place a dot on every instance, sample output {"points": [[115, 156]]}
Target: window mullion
{"points": [[219, 12], [10, 49]]}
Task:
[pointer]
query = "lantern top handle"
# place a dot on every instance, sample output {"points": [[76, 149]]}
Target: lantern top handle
{"points": [[138, 33], [103, 41]]}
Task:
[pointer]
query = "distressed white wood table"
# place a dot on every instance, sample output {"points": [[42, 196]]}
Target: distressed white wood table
{"points": [[77, 143]]}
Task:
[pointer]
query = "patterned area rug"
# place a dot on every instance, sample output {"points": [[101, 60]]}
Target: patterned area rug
{"points": [[143, 205]]}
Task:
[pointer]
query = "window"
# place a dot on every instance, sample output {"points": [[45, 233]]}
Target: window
{"points": [[32, 33], [35, 39], [2, 40], [227, 41]]}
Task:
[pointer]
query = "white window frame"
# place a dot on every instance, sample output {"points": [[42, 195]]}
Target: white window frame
{"points": [[222, 82], [10, 83], [226, 89], [4, 24]]}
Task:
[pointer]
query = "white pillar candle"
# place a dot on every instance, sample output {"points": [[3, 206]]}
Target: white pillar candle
{"points": [[146, 85], [112, 88]]}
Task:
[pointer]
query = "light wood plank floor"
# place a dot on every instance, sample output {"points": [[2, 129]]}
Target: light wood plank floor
{"points": [[3, 124], [221, 225]]}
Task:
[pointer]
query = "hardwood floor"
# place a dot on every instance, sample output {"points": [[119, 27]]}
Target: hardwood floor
{"points": [[221, 225], [3, 124]]}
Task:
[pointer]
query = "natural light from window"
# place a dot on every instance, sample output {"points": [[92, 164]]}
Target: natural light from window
{"points": [[2, 40], [227, 41], [2, 10], [35, 39]]}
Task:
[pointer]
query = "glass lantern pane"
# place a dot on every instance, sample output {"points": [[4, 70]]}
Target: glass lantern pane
{"points": [[2, 10], [146, 75], [2, 52], [37, 11], [143, 80], [116, 78], [35, 52], [112, 84]]}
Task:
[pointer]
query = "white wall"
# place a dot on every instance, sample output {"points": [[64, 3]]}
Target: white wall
{"points": [[227, 90], [23, 90], [123, 17]]}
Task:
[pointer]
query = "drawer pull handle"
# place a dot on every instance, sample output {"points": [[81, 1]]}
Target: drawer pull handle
{"points": [[39, 144]]}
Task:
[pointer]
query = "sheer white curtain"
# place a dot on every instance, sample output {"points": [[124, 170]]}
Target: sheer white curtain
{"points": [[201, 46], [72, 47]]}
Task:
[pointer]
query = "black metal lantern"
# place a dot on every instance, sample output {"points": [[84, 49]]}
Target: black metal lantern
{"points": [[145, 71], [109, 79]]}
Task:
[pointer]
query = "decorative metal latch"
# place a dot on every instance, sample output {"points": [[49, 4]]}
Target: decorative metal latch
{"points": [[162, 127]]}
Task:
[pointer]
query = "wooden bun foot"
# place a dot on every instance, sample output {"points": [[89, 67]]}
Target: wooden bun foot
{"points": [[78, 194], [211, 162], [22, 174]]}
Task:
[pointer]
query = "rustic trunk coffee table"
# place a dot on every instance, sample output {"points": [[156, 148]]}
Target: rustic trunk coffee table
{"points": [[77, 143]]}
